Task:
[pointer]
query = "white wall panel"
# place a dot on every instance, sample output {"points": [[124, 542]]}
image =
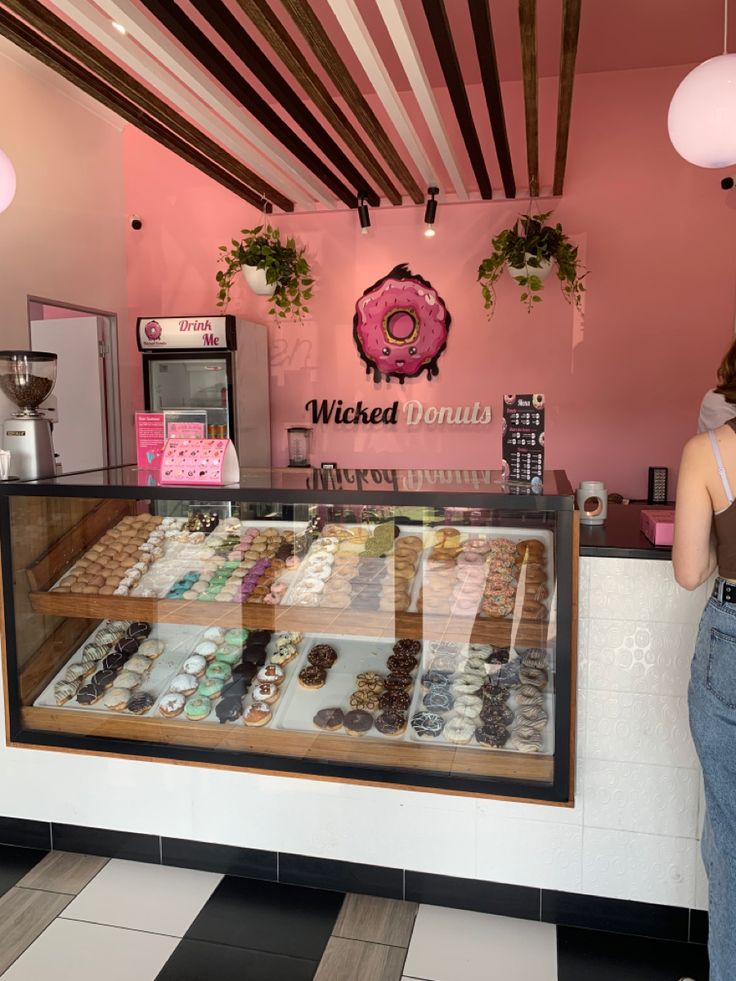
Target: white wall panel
{"points": [[660, 800]]}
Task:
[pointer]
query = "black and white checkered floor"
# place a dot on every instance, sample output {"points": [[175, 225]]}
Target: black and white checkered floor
{"points": [[69, 917]]}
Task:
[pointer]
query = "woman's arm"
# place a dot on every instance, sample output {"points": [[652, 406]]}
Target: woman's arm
{"points": [[694, 551]]}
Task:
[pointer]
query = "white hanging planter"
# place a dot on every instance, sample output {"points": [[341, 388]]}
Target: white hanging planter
{"points": [[542, 271], [256, 280]]}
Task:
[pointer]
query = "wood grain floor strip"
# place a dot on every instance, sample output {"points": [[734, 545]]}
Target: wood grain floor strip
{"points": [[24, 915], [375, 920], [355, 960], [63, 872]]}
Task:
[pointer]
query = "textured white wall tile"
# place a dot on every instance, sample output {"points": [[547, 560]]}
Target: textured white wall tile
{"points": [[626, 727], [637, 656], [584, 587], [530, 853], [658, 800], [641, 589], [581, 730], [647, 868], [583, 643], [701, 883]]}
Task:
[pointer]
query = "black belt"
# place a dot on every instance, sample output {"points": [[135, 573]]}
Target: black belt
{"points": [[724, 592]]}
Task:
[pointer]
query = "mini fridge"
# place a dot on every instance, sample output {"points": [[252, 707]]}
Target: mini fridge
{"points": [[218, 364]]}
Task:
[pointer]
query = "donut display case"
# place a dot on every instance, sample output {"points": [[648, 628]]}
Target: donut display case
{"points": [[410, 628]]}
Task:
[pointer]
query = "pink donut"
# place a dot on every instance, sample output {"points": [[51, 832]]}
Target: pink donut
{"points": [[470, 558], [480, 545], [400, 326], [471, 573]]}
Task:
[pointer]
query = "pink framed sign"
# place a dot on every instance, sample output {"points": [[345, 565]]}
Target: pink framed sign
{"points": [[203, 462]]}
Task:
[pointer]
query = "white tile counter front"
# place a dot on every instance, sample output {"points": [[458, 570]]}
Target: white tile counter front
{"points": [[633, 833]]}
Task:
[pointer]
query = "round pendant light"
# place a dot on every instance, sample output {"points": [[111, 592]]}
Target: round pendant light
{"points": [[7, 181], [702, 115]]}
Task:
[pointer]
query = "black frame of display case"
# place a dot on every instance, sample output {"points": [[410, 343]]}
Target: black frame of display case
{"points": [[560, 790]]}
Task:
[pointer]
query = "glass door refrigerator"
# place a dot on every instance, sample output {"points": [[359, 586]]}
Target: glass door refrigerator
{"points": [[216, 364]]}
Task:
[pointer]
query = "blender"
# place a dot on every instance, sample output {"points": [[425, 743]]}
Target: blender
{"points": [[27, 378], [300, 438]]}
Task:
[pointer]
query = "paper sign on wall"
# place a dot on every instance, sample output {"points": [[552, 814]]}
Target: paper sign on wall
{"points": [[149, 439], [523, 437], [204, 462]]}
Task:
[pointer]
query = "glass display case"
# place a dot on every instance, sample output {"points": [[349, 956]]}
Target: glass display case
{"points": [[414, 628]]}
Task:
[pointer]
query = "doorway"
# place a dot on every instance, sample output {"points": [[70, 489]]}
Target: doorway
{"points": [[85, 404]]}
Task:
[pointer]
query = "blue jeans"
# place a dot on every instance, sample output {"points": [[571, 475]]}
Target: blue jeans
{"points": [[712, 703]]}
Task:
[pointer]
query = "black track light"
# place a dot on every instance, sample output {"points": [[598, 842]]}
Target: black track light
{"points": [[363, 215], [430, 211]]}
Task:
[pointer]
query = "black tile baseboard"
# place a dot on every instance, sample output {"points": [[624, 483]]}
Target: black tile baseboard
{"points": [[248, 863], [520, 902], [111, 844], [698, 926], [615, 915], [25, 834], [323, 873]]}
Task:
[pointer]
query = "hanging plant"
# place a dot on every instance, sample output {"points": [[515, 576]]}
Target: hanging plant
{"points": [[528, 251], [271, 268]]}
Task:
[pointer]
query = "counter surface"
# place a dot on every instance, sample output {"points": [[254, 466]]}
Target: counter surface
{"points": [[620, 537]]}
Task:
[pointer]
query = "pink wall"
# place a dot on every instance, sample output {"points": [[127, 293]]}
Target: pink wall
{"points": [[62, 237], [623, 388]]}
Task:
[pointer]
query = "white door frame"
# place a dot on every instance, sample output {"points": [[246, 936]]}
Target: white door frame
{"points": [[109, 373]]}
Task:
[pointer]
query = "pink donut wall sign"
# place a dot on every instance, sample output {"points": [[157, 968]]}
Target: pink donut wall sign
{"points": [[400, 326]]}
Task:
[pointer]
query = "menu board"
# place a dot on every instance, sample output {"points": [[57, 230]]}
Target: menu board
{"points": [[523, 437]]}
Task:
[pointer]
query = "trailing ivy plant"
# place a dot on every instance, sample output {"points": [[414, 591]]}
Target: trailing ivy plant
{"points": [[526, 245], [284, 263]]}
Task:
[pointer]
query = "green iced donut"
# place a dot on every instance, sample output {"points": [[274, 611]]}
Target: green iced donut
{"points": [[229, 654], [210, 687], [238, 635], [219, 670], [198, 708]]}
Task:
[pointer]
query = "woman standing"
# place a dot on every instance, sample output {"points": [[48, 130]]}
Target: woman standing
{"points": [[705, 541]]}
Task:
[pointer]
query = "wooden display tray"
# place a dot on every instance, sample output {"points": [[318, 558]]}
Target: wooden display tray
{"points": [[318, 746], [500, 633]]}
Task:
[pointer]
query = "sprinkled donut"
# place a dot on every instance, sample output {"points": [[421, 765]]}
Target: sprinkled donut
{"points": [[400, 326]]}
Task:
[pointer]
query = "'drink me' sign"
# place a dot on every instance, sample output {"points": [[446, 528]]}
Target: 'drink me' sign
{"points": [[412, 413], [186, 333]]}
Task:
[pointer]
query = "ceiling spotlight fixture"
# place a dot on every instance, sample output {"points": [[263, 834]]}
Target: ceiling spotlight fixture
{"points": [[363, 215], [119, 27], [430, 211], [701, 114]]}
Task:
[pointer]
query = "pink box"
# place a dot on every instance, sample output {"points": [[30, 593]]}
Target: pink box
{"points": [[658, 526]]}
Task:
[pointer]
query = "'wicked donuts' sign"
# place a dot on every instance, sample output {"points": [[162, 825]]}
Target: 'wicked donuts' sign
{"points": [[400, 326]]}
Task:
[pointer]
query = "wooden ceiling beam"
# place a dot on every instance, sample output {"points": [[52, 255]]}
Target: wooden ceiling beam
{"points": [[397, 25], [528, 29], [569, 48], [173, 18], [434, 11], [272, 28], [42, 49], [485, 46], [163, 58], [139, 61], [316, 37], [355, 30], [60, 33], [239, 40]]}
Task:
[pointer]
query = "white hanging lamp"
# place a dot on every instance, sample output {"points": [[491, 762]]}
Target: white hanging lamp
{"points": [[702, 115], [7, 181]]}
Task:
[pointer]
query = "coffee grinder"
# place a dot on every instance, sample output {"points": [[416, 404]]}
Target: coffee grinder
{"points": [[27, 378]]}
